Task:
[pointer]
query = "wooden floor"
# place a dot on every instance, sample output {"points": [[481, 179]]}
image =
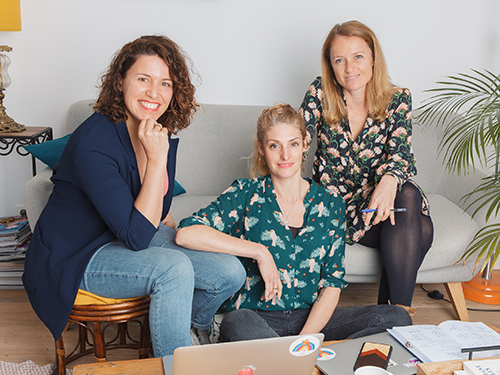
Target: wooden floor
{"points": [[23, 337]]}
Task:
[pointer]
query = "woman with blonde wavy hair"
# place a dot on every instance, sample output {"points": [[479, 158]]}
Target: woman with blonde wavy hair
{"points": [[364, 127], [289, 234], [273, 116]]}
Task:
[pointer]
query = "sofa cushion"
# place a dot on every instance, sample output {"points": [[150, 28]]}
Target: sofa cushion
{"points": [[36, 195], [186, 205], [86, 298], [452, 229], [447, 217]]}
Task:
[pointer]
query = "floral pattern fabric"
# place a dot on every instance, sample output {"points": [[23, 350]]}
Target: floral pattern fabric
{"points": [[353, 168], [312, 260]]}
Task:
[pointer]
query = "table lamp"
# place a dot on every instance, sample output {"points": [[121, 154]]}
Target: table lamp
{"points": [[10, 20]]}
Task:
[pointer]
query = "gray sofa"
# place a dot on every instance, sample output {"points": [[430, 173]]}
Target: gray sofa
{"points": [[215, 150]]}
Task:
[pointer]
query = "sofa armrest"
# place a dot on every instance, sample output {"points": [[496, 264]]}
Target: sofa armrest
{"points": [[36, 195], [77, 113], [38, 189], [454, 188]]}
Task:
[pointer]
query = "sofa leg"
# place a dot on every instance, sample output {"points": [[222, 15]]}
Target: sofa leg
{"points": [[456, 294]]}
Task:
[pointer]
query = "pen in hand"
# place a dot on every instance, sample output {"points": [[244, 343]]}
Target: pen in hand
{"points": [[392, 209]]}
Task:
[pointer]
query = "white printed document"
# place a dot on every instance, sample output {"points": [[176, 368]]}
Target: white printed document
{"points": [[444, 342]]}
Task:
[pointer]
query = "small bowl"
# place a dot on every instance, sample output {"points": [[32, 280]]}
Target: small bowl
{"points": [[371, 370]]}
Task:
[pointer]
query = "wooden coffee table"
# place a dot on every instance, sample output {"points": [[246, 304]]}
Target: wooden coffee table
{"points": [[148, 366]]}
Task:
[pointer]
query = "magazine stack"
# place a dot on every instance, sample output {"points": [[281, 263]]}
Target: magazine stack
{"points": [[15, 233]]}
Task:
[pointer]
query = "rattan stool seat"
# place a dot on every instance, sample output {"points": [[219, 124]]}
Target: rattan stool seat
{"points": [[94, 319]]}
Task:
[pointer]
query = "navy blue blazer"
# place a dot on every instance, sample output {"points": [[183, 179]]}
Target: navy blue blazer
{"points": [[95, 185]]}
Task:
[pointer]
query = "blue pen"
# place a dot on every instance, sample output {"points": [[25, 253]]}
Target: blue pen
{"points": [[392, 209]]}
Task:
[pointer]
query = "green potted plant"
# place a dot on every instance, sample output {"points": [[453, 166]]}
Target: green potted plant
{"points": [[467, 107]]}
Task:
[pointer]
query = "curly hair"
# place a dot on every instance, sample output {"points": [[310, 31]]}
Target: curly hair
{"points": [[183, 105], [379, 90], [278, 113]]}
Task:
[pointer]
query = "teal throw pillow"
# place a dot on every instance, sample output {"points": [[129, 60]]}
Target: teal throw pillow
{"points": [[50, 152], [178, 189]]}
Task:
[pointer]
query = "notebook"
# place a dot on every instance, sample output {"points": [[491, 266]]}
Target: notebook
{"points": [[281, 355], [344, 354]]}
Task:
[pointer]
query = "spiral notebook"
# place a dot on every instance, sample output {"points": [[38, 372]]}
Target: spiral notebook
{"points": [[444, 342]]}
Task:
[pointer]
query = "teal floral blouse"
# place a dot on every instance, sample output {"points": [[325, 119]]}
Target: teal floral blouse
{"points": [[352, 169], [312, 260]]}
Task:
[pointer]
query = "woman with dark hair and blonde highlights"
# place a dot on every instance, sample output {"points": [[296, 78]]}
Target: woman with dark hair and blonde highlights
{"points": [[364, 154], [290, 236], [107, 228]]}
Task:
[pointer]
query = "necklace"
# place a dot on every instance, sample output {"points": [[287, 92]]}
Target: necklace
{"points": [[293, 205]]}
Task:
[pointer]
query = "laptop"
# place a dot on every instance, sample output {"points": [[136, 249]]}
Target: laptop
{"points": [[280, 355], [344, 354]]}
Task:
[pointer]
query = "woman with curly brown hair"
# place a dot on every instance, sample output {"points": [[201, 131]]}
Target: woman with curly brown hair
{"points": [[106, 228]]}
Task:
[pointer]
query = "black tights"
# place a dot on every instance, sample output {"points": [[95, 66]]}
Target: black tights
{"points": [[402, 246]]}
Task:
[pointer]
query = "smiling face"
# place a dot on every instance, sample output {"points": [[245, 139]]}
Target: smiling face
{"points": [[352, 62], [283, 147], [147, 89]]}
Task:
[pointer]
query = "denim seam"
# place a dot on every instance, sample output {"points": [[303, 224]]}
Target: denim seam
{"points": [[153, 332], [208, 300]]}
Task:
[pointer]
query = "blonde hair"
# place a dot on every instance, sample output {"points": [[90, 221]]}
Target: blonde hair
{"points": [[278, 113], [379, 90]]}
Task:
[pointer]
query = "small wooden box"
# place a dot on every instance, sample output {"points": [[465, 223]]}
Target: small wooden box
{"points": [[444, 368]]}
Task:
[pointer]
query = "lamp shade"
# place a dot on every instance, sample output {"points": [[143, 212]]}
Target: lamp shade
{"points": [[10, 15]]}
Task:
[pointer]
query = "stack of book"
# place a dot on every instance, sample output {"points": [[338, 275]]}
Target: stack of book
{"points": [[14, 237], [481, 367]]}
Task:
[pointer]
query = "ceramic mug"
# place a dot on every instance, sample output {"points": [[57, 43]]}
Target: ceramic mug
{"points": [[371, 370]]}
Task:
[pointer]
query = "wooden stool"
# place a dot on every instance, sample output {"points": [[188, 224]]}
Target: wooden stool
{"points": [[90, 308]]}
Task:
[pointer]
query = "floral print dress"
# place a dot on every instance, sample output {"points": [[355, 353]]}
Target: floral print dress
{"points": [[353, 168], [311, 260]]}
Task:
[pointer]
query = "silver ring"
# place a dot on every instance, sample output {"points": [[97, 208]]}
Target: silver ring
{"points": [[158, 125]]}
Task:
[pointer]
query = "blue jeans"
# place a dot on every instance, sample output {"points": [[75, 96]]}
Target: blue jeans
{"points": [[186, 286], [345, 323]]}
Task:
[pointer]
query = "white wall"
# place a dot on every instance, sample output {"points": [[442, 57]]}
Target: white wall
{"points": [[246, 52]]}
